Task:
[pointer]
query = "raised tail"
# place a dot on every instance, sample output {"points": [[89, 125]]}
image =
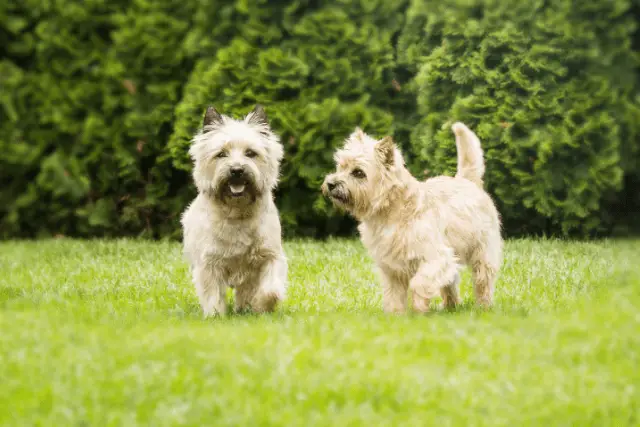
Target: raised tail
{"points": [[470, 157]]}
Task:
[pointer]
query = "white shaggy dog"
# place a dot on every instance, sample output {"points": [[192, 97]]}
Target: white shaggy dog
{"points": [[419, 233], [232, 235]]}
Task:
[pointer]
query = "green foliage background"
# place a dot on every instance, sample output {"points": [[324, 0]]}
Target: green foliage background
{"points": [[99, 99]]}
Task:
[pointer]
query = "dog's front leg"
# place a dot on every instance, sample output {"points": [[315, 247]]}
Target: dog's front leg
{"points": [[271, 285], [211, 290], [394, 293], [432, 276]]}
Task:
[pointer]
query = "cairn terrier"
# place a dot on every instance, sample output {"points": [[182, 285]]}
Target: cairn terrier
{"points": [[232, 235], [420, 232]]}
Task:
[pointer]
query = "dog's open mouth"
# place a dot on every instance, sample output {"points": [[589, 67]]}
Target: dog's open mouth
{"points": [[237, 189], [238, 186]]}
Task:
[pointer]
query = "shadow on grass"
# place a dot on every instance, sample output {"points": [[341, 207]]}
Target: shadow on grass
{"points": [[466, 309], [470, 308]]}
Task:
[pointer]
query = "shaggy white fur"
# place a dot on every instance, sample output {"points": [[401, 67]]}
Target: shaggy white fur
{"points": [[232, 235]]}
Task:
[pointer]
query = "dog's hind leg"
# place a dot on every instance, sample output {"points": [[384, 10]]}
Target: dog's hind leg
{"points": [[485, 264], [451, 293], [484, 276]]}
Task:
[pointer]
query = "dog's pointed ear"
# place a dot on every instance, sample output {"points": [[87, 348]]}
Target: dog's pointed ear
{"points": [[258, 116], [211, 117], [386, 151], [357, 135]]}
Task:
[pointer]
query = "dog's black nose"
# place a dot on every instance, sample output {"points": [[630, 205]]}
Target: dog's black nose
{"points": [[331, 185], [237, 172]]}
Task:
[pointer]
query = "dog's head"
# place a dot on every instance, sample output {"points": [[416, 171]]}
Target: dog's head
{"points": [[236, 161], [366, 170]]}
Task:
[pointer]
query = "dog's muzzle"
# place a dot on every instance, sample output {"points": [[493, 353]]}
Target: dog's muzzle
{"points": [[335, 191], [238, 183]]}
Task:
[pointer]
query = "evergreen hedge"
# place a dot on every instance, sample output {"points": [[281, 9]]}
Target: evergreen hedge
{"points": [[98, 101], [550, 88]]}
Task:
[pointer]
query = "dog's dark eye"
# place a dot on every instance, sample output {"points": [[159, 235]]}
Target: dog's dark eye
{"points": [[358, 173], [250, 154], [221, 155]]}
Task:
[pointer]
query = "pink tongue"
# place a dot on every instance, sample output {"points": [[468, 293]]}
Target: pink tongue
{"points": [[237, 189]]}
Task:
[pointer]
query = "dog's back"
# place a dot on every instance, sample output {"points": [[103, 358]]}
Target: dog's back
{"points": [[468, 216]]}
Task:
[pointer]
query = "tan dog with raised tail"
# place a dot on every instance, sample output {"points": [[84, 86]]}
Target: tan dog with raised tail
{"points": [[420, 232]]}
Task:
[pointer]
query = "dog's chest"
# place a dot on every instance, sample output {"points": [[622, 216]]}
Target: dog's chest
{"points": [[237, 252], [391, 247]]}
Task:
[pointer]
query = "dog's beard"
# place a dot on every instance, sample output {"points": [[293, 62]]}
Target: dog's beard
{"points": [[341, 198], [236, 191], [351, 202]]}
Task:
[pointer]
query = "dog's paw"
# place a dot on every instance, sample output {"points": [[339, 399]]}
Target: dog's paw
{"points": [[424, 291], [266, 300], [420, 304], [213, 313]]}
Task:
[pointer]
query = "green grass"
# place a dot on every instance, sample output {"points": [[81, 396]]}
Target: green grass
{"points": [[110, 333]]}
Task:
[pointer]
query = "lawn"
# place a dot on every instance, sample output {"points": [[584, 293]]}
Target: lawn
{"points": [[110, 333]]}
